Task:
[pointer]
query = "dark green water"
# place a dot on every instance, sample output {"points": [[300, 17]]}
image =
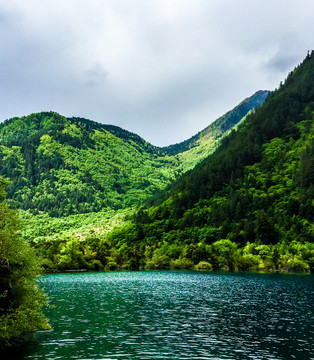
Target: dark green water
{"points": [[175, 315]]}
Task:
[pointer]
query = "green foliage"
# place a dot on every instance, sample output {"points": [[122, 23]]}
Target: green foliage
{"points": [[182, 263], [20, 299], [224, 254], [203, 265], [70, 176]]}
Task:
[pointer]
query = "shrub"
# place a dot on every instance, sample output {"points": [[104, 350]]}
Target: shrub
{"points": [[183, 263], [203, 265]]}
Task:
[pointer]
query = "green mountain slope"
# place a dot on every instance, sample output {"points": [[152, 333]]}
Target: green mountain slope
{"points": [[248, 206], [203, 144], [222, 125], [65, 166]]}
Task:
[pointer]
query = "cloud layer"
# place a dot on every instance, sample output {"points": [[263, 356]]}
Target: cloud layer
{"points": [[162, 69]]}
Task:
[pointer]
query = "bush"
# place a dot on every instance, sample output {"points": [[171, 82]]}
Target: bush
{"points": [[224, 253], [203, 265], [95, 265], [160, 260], [112, 265], [248, 262], [182, 263], [293, 264]]}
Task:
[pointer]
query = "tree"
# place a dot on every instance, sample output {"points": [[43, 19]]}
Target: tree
{"points": [[21, 300]]}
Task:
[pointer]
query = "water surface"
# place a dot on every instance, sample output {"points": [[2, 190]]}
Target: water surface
{"points": [[175, 315]]}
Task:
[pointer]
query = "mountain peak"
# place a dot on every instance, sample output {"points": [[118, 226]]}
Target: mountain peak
{"points": [[226, 122]]}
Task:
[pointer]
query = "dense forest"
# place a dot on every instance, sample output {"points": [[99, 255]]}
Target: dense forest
{"points": [[248, 206], [70, 166]]}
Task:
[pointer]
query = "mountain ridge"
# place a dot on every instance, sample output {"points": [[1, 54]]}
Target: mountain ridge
{"points": [[222, 124], [243, 108], [74, 165]]}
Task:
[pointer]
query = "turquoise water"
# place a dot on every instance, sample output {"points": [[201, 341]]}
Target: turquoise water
{"points": [[175, 315]]}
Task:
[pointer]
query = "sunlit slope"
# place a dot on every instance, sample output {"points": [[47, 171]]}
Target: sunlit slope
{"points": [[67, 166]]}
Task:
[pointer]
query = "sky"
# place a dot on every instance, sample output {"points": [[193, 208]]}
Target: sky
{"points": [[163, 69]]}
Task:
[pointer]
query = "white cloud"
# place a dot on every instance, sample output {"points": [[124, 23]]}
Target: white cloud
{"points": [[163, 69]]}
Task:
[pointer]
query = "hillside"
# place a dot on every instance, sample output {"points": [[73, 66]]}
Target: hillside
{"points": [[249, 206], [70, 166], [222, 125], [257, 188], [64, 166], [204, 143]]}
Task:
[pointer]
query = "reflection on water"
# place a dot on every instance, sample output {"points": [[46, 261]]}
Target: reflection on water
{"points": [[175, 315]]}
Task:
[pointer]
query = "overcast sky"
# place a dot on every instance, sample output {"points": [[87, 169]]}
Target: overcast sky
{"points": [[163, 69]]}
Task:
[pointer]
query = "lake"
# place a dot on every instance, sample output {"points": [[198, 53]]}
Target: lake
{"points": [[175, 315]]}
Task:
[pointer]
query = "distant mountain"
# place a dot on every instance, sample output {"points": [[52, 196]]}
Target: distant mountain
{"points": [[221, 125], [66, 166]]}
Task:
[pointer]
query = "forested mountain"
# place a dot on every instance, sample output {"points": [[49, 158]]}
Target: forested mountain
{"points": [[65, 166], [219, 127], [203, 144], [247, 206]]}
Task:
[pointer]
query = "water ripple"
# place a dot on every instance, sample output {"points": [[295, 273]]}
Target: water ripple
{"points": [[177, 315]]}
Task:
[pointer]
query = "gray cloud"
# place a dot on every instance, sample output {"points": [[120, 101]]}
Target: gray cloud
{"points": [[162, 69], [281, 62], [95, 75]]}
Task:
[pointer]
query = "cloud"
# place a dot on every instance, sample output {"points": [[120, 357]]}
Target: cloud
{"points": [[287, 55], [95, 75], [281, 62], [161, 69]]}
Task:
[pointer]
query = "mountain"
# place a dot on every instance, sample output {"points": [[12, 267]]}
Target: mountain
{"points": [[221, 125], [65, 166], [248, 206], [190, 152]]}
